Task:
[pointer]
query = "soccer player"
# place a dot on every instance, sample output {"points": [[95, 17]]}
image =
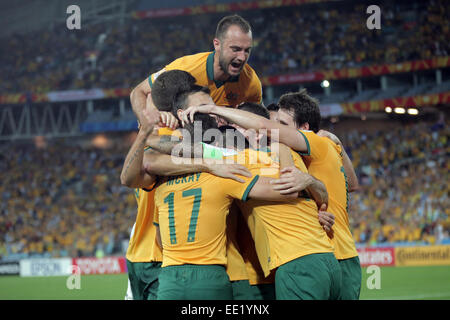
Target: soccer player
{"points": [[330, 163], [299, 117], [263, 283], [224, 71]]}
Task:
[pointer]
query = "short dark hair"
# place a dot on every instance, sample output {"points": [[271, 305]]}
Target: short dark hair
{"points": [[180, 101], [167, 85], [255, 108], [273, 107], [228, 21], [207, 122], [306, 108]]}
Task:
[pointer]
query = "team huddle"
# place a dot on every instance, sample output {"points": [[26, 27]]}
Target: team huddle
{"points": [[236, 201]]}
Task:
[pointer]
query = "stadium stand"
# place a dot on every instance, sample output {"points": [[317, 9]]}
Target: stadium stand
{"points": [[297, 39], [404, 197], [64, 200]]}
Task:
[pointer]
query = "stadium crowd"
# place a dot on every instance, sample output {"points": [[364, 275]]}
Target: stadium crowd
{"points": [[405, 195], [63, 200], [66, 200], [287, 40]]}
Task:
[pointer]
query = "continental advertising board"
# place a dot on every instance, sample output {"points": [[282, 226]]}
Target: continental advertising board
{"points": [[422, 256]]}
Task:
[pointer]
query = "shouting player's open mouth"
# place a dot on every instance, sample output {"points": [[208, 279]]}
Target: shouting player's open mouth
{"points": [[236, 66]]}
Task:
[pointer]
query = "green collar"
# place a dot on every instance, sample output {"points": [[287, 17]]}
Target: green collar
{"points": [[210, 72]]}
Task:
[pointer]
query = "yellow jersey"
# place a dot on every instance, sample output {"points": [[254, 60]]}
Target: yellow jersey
{"points": [[191, 215], [236, 267], [284, 231], [244, 88], [143, 246], [248, 251], [243, 262], [324, 161]]}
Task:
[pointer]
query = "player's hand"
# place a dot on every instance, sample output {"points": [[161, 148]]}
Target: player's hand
{"points": [[291, 180], [326, 220], [229, 171], [329, 135], [151, 115], [168, 120], [188, 114]]}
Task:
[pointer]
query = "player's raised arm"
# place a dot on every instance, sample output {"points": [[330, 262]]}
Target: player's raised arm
{"points": [[138, 97], [247, 120], [133, 174], [352, 179]]}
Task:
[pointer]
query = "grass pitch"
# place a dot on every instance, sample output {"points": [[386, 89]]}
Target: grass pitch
{"points": [[397, 283]]}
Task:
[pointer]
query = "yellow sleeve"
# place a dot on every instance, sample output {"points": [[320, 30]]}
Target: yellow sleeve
{"points": [[183, 63], [238, 190], [298, 161], [317, 147], [256, 93]]}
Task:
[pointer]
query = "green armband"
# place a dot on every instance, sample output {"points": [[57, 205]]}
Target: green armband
{"points": [[211, 152]]}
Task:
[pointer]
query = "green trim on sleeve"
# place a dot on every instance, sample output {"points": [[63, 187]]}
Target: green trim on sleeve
{"points": [[249, 188], [156, 224], [136, 192], [148, 148], [150, 82], [308, 153]]}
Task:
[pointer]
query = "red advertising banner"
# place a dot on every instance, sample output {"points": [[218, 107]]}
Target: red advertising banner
{"points": [[404, 102], [106, 265], [374, 70], [220, 7], [377, 256], [21, 98]]}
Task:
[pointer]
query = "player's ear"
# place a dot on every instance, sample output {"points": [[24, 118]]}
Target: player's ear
{"points": [[216, 43], [180, 114], [304, 126]]}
